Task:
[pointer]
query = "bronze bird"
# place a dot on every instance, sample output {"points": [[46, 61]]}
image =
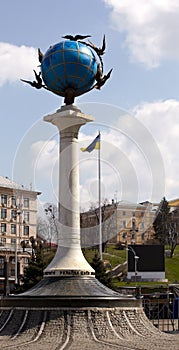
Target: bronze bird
{"points": [[103, 80], [36, 84], [32, 83], [38, 77], [99, 50], [99, 74], [76, 37], [40, 54]]}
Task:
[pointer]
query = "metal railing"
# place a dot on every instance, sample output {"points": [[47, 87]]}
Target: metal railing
{"points": [[163, 312]]}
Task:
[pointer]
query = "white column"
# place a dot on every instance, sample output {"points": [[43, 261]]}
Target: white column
{"points": [[69, 259]]}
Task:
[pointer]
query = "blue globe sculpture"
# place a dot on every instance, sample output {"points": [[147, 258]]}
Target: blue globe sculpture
{"points": [[69, 68]]}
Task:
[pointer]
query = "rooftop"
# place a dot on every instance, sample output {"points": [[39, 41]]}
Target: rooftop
{"points": [[7, 183]]}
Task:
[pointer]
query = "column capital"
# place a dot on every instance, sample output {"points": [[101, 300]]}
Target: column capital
{"points": [[68, 117]]}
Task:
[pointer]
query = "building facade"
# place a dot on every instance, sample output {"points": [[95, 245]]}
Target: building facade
{"points": [[18, 220], [124, 222], [135, 222]]}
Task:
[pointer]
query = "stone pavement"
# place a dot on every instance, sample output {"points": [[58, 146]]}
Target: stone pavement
{"points": [[81, 329]]}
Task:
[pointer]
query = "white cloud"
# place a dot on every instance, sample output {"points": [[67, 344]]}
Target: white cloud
{"points": [[161, 118], [44, 155], [151, 28], [139, 156], [16, 62], [130, 163], [44, 162]]}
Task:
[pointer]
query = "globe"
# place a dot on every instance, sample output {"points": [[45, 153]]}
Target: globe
{"points": [[69, 65]]}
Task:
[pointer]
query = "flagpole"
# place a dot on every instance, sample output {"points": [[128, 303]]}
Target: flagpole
{"points": [[99, 192]]}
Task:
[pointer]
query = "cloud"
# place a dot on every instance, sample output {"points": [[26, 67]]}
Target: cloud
{"points": [[161, 119], [16, 62], [139, 155], [131, 163], [44, 155], [44, 162], [151, 28]]}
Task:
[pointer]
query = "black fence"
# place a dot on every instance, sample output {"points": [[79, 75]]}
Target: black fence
{"points": [[161, 307], [162, 310]]}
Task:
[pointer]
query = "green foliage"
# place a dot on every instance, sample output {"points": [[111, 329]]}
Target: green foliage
{"points": [[115, 259], [100, 271], [114, 256], [161, 222], [172, 267], [34, 272]]}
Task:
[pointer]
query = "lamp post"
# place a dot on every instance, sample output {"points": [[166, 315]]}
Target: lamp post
{"points": [[18, 213], [136, 258]]}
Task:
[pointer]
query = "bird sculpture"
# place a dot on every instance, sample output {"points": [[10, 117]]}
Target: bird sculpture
{"points": [[99, 50], [76, 37], [36, 84], [40, 54], [103, 80], [99, 74]]}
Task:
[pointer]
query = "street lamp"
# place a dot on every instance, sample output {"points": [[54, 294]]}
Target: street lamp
{"points": [[18, 213], [136, 258]]}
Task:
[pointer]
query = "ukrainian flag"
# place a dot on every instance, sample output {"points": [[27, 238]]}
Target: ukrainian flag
{"points": [[93, 145]]}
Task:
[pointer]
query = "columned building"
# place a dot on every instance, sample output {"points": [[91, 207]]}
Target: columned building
{"points": [[18, 219]]}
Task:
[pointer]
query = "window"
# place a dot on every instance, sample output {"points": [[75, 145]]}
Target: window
{"points": [[3, 228], [133, 224], [1, 260], [13, 200], [1, 272], [26, 230], [26, 216], [25, 260], [26, 202], [124, 224], [2, 241], [13, 229], [123, 213], [133, 236], [13, 214], [133, 213], [13, 241], [12, 272], [4, 199], [3, 213], [124, 235]]}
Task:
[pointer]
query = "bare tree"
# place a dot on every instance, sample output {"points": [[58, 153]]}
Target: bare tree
{"points": [[173, 231], [90, 224], [42, 228], [51, 214]]}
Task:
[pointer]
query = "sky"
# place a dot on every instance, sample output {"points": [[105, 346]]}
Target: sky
{"points": [[137, 110]]}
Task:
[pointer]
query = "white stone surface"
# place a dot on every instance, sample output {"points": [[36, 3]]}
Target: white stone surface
{"points": [[69, 256], [148, 275]]}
